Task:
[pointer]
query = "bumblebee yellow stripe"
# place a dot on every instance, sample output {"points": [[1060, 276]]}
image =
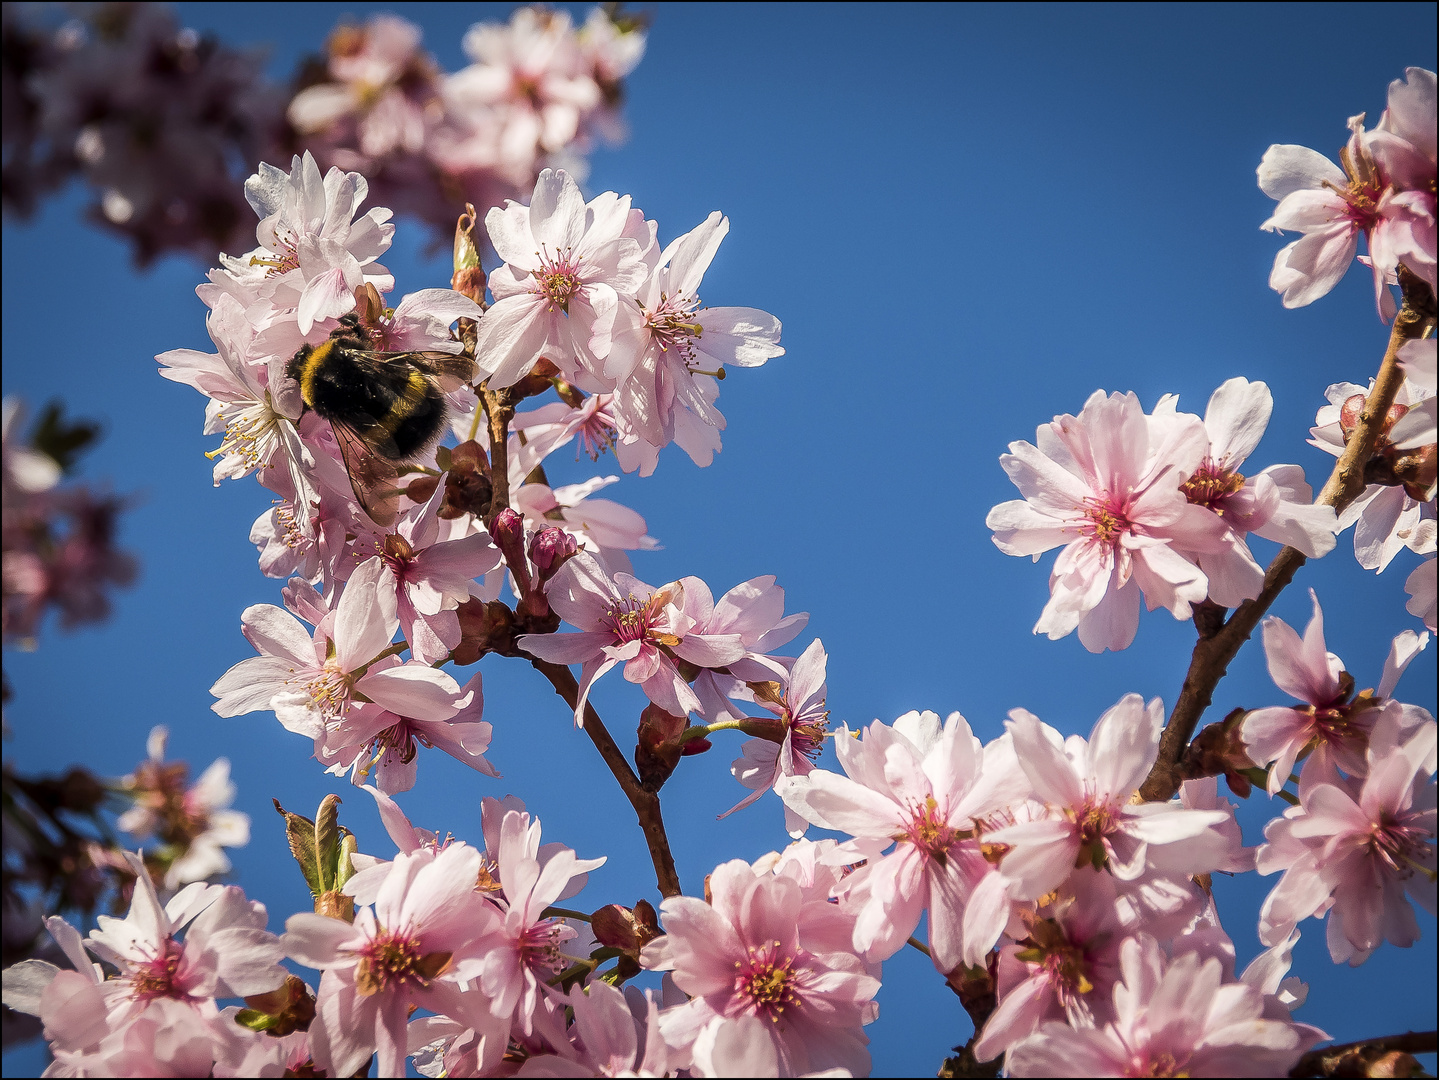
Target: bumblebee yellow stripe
{"points": [[415, 388], [311, 366]]}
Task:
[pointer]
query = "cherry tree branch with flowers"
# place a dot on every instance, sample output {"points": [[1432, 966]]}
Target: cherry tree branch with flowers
{"points": [[1064, 882]]}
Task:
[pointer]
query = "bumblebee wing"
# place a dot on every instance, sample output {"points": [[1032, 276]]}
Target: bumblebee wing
{"points": [[451, 371], [374, 480]]}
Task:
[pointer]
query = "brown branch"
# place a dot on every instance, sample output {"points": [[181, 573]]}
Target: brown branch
{"points": [[1213, 653], [499, 411], [646, 803], [1359, 1058]]}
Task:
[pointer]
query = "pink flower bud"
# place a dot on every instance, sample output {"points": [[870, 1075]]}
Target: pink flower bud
{"points": [[550, 549], [508, 533]]}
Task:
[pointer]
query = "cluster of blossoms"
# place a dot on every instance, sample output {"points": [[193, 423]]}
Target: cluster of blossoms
{"points": [[538, 90], [1386, 193], [153, 116], [431, 573], [59, 542], [1051, 878]]}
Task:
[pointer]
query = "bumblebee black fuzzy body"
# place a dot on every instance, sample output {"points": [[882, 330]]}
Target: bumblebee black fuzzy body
{"points": [[386, 408]]}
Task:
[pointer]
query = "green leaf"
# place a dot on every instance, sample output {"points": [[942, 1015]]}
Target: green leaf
{"points": [[327, 842], [300, 831]]}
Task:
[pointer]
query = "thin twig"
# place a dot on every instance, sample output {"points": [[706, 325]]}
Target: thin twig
{"points": [[1213, 653], [646, 803], [1351, 1059]]}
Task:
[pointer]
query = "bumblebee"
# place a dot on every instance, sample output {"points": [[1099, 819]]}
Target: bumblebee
{"points": [[386, 408]]}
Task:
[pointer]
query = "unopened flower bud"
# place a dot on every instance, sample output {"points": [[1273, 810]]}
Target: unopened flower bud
{"points": [[1353, 408], [469, 282], [508, 533], [550, 549], [660, 746]]}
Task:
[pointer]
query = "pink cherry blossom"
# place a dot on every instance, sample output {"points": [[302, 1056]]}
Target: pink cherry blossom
{"points": [[1276, 503], [1172, 1018], [377, 101], [799, 728], [426, 576], [259, 433], [1384, 193], [744, 955], [557, 424], [931, 789], [1333, 723], [1355, 849], [1065, 967], [1086, 786], [529, 74], [525, 949], [665, 342], [202, 810], [225, 952], [557, 293], [314, 253], [1106, 485], [626, 621], [371, 740], [311, 681], [421, 937]]}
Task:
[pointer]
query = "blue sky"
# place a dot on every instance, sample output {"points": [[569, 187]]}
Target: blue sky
{"points": [[968, 219]]}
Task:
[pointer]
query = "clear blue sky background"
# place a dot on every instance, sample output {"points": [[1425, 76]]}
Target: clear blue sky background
{"points": [[968, 218]]}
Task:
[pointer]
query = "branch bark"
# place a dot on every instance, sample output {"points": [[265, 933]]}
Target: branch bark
{"points": [[646, 803], [499, 411], [1213, 653], [1357, 1058]]}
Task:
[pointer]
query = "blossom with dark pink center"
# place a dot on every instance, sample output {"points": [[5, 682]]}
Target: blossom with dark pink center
{"points": [[1384, 192], [429, 576], [312, 681], [1354, 849], [1064, 968], [556, 294], [790, 743], [1174, 1017], [744, 956], [410, 949], [1106, 486], [668, 349], [928, 791], [525, 950], [373, 741], [626, 621], [1086, 786], [1275, 503], [1333, 725]]}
